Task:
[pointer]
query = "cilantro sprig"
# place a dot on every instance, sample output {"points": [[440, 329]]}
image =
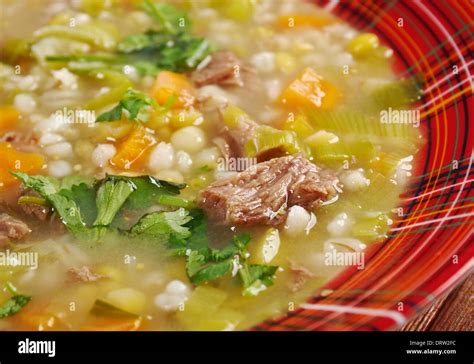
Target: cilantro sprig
{"points": [[92, 209], [15, 303], [205, 264], [135, 104], [89, 208], [169, 47]]}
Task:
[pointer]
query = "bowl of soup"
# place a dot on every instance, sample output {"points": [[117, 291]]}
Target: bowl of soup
{"points": [[214, 165]]}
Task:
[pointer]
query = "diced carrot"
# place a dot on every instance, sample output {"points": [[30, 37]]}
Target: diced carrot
{"points": [[299, 20], [130, 152], [14, 160], [8, 118], [114, 325], [35, 319], [169, 84], [309, 90]]}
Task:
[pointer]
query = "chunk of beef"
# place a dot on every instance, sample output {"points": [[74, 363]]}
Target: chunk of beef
{"points": [[263, 193], [224, 68], [12, 229], [83, 274]]}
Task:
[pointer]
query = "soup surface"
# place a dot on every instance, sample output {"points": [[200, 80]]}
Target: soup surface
{"points": [[190, 165]]}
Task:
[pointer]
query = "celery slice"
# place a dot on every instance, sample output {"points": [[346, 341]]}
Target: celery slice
{"points": [[400, 93], [371, 228], [104, 36], [119, 85], [204, 302], [299, 125], [104, 308], [267, 138], [350, 122], [362, 150]]}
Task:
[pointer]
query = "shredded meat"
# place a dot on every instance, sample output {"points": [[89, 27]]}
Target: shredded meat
{"points": [[300, 275], [224, 68], [263, 193], [12, 229], [83, 274]]}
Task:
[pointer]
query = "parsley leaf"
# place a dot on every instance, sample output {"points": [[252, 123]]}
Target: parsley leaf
{"points": [[171, 19], [172, 48], [13, 305], [84, 196], [204, 264], [256, 278], [154, 51], [62, 202], [111, 195], [150, 190], [88, 209], [162, 225], [135, 104], [212, 272]]}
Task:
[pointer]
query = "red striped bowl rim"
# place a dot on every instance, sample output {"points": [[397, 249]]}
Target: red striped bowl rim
{"points": [[430, 248]]}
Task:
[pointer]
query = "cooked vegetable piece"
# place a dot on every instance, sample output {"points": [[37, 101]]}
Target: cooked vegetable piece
{"points": [[119, 84], [300, 125], [130, 324], [275, 142], [111, 196], [240, 10], [356, 123], [266, 248], [15, 303], [309, 89], [101, 35], [135, 104], [371, 228], [8, 118], [105, 308], [168, 85], [150, 191], [163, 226], [331, 152], [203, 311], [256, 278], [133, 148], [399, 93], [170, 48], [363, 45], [89, 214], [14, 160], [301, 20], [171, 19]]}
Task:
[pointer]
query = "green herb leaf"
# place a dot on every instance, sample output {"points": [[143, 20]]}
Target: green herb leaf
{"points": [[162, 225], [212, 272], [172, 48], [134, 103], [149, 191], [13, 305], [204, 264], [171, 19], [111, 196], [84, 196], [256, 278]]}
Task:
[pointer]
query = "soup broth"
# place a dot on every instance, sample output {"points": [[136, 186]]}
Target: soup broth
{"points": [[136, 111]]}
